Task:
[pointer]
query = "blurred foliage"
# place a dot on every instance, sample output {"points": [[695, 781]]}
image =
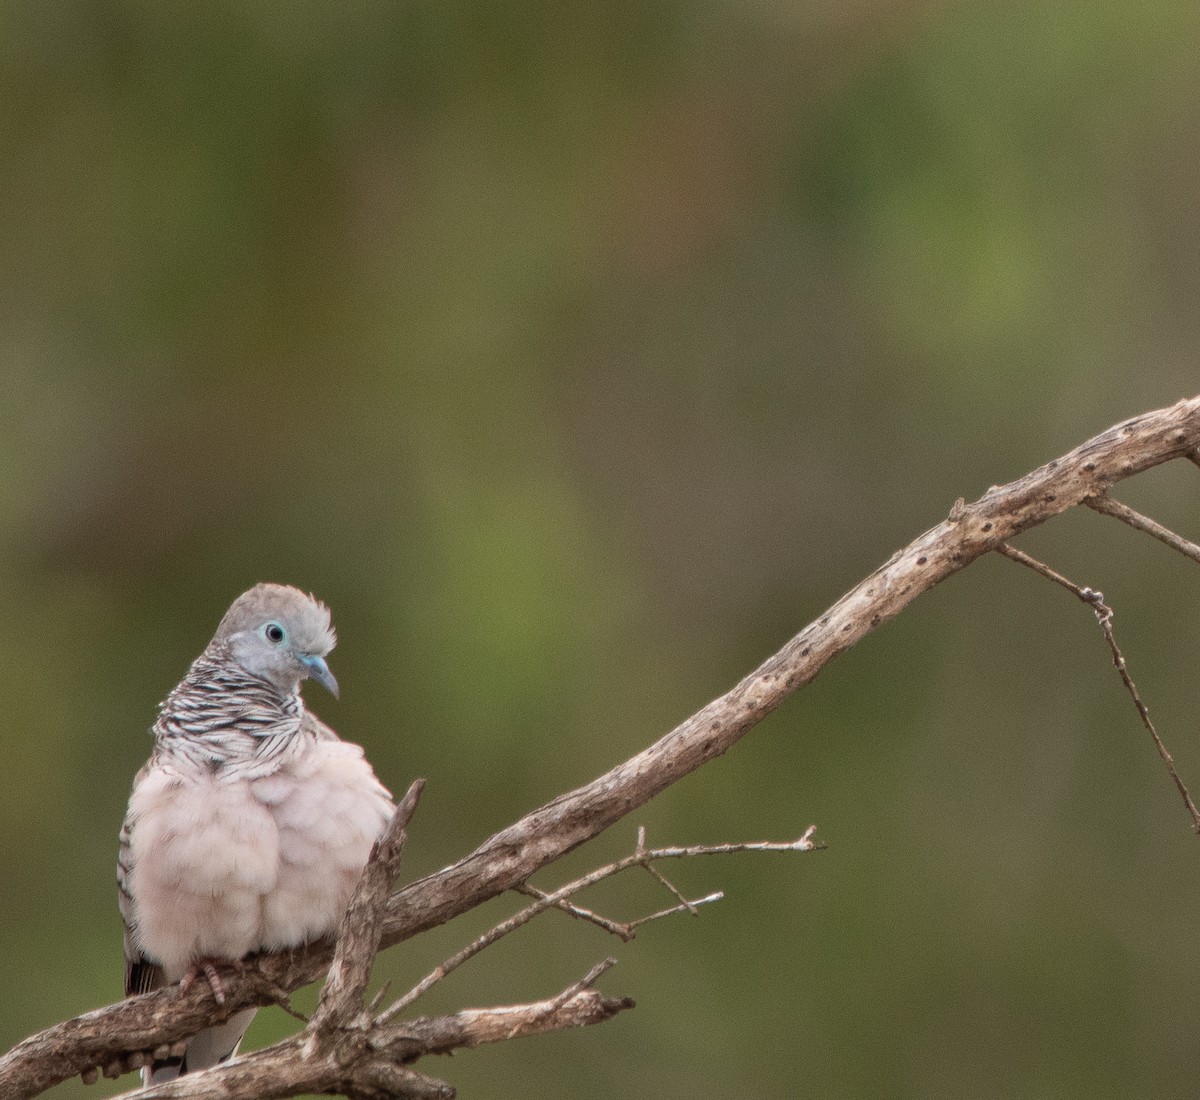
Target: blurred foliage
{"points": [[578, 355]]}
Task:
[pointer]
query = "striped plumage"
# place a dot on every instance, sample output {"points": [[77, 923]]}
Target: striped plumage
{"points": [[220, 716], [248, 826]]}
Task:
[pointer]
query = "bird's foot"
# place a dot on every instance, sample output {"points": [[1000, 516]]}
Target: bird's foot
{"points": [[207, 968]]}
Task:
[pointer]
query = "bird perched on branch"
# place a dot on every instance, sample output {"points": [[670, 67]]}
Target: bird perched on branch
{"points": [[248, 827]]}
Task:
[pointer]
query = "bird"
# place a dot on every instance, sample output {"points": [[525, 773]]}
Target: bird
{"points": [[249, 826]]}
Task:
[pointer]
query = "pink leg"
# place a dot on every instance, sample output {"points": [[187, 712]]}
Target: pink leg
{"points": [[208, 968]]}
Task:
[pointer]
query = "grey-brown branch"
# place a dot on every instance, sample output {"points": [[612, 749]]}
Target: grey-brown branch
{"points": [[508, 858], [371, 1060]]}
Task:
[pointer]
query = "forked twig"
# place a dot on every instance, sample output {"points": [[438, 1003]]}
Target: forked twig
{"points": [[655, 873], [580, 912], [686, 906], [641, 857]]}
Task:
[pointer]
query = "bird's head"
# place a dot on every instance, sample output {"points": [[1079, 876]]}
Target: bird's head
{"points": [[279, 634]]}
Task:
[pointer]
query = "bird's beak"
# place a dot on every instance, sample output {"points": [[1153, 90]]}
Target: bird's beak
{"points": [[318, 670]]}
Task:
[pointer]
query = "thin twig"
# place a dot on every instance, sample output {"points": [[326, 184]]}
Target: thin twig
{"points": [[1030, 562], [1104, 616], [578, 911], [804, 844], [686, 907], [587, 981], [1105, 504], [657, 874], [380, 994]]}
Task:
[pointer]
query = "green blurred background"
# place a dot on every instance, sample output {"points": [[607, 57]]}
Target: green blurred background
{"points": [[578, 355]]}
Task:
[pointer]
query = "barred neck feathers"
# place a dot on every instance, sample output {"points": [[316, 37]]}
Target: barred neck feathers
{"points": [[225, 719]]}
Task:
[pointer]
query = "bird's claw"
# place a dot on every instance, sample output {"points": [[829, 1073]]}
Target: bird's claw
{"points": [[207, 968]]}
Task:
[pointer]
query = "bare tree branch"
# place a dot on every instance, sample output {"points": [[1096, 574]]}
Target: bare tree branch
{"points": [[510, 856], [372, 1061]]}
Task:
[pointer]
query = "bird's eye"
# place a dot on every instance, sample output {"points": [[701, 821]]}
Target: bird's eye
{"points": [[274, 633]]}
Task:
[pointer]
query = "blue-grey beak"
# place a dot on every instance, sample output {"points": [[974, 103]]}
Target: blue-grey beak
{"points": [[318, 670]]}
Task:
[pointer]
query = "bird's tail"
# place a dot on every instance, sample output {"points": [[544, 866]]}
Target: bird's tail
{"points": [[211, 1046]]}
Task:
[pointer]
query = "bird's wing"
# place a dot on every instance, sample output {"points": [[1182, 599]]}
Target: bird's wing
{"points": [[142, 975]]}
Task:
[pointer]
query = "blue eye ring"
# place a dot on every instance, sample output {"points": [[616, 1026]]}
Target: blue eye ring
{"points": [[274, 633]]}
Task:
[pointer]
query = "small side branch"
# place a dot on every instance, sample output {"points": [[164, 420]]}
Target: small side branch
{"points": [[804, 844], [1104, 616], [1105, 505], [579, 1005]]}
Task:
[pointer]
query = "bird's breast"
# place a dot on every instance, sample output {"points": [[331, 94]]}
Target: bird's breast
{"points": [[221, 868], [327, 809]]}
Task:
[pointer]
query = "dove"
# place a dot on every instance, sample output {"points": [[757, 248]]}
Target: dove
{"points": [[250, 824]]}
